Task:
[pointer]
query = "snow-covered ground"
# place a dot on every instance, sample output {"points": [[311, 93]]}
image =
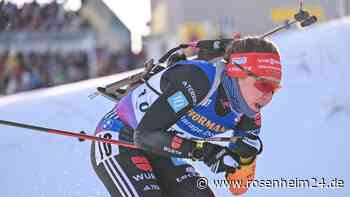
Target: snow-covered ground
{"points": [[305, 129]]}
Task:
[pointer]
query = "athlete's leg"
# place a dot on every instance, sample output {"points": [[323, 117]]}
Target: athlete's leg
{"points": [[178, 178], [125, 172]]}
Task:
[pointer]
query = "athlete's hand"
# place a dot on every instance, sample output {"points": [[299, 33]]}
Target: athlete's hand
{"points": [[220, 159], [249, 146]]}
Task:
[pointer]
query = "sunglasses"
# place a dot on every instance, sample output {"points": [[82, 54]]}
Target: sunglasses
{"points": [[262, 84]]}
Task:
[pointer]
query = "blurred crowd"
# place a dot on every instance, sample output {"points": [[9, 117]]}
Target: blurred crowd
{"points": [[21, 71], [34, 17], [26, 71]]}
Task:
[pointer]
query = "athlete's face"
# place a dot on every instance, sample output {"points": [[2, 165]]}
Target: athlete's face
{"points": [[255, 98]]}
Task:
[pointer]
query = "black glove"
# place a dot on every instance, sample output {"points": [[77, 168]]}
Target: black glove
{"points": [[217, 158], [248, 147]]}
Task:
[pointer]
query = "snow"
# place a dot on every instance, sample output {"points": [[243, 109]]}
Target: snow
{"points": [[305, 129]]}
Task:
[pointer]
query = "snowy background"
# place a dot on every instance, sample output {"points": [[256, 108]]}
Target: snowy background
{"points": [[305, 129]]}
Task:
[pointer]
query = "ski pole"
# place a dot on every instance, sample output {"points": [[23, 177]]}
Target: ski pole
{"points": [[218, 139], [81, 136]]}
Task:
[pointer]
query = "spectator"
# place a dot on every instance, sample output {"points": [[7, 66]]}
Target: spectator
{"points": [[35, 17]]}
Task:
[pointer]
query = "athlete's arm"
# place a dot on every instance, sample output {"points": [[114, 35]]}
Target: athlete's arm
{"points": [[247, 148], [182, 86]]}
